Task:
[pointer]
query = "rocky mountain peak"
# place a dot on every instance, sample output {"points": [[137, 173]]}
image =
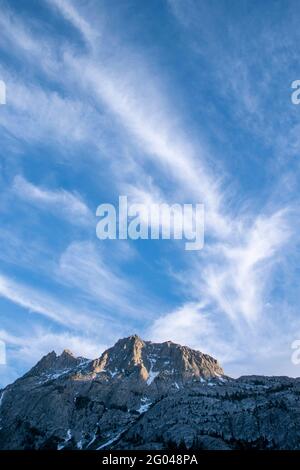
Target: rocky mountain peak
{"points": [[67, 353], [150, 360], [52, 362]]}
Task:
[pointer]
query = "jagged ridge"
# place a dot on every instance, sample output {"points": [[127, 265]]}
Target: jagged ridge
{"points": [[150, 360]]}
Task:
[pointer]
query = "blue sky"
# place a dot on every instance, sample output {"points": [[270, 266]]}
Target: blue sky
{"points": [[163, 101]]}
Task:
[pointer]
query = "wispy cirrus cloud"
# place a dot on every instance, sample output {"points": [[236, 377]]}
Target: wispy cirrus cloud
{"points": [[230, 282], [84, 266], [147, 119], [71, 14], [61, 202], [35, 114], [38, 301]]}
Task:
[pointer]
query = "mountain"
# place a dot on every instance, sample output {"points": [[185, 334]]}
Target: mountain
{"points": [[144, 395]]}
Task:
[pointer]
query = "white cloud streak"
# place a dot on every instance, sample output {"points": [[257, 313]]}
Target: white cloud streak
{"points": [[61, 202], [72, 15], [145, 114], [40, 302], [84, 267]]}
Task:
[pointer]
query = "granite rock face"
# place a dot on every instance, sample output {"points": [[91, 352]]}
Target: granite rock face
{"points": [[143, 395]]}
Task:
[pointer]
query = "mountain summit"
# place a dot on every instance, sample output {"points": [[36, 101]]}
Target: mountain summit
{"points": [[144, 395], [51, 363], [150, 360]]}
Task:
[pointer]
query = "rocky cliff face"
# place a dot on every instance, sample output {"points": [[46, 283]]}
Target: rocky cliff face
{"points": [[143, 395]]}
